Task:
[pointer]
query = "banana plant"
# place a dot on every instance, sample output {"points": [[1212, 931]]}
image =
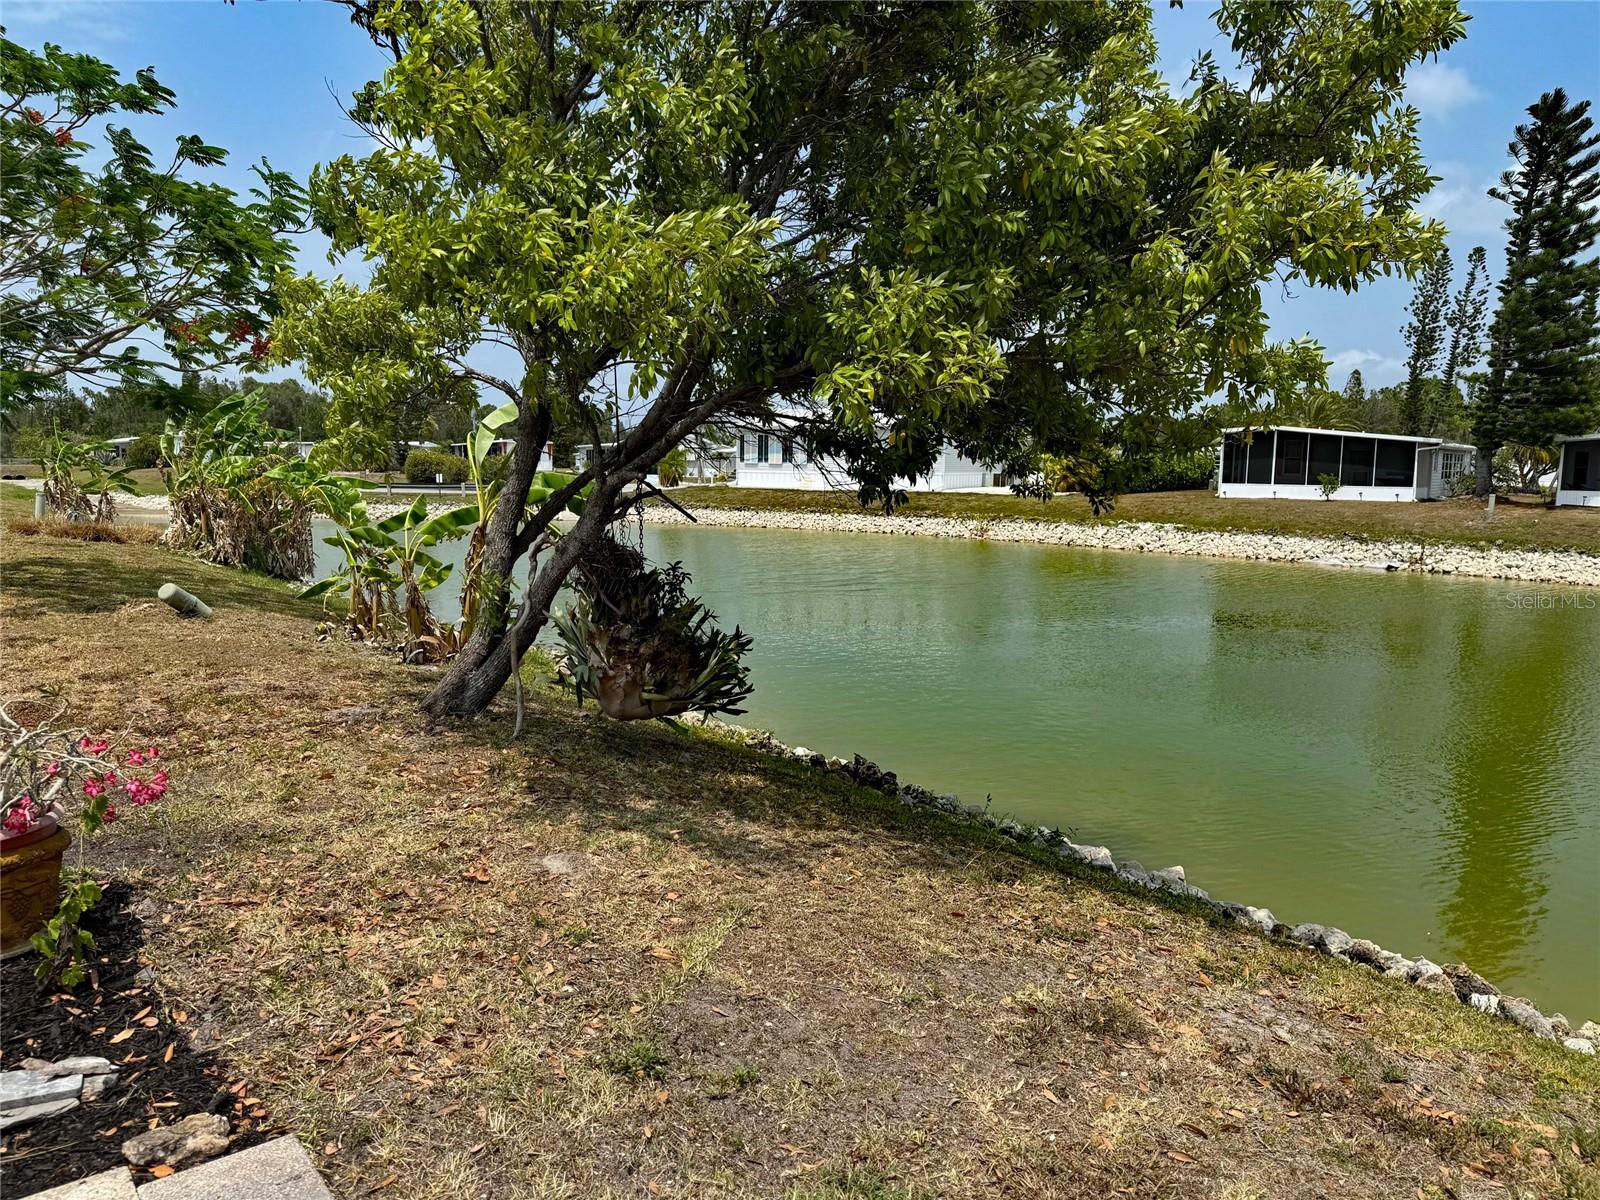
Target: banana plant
{"points": [[388, 571]]}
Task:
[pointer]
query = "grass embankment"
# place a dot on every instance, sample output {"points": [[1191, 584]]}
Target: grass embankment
{"points": [[1515, 524], [147, 481], [742, 978]]}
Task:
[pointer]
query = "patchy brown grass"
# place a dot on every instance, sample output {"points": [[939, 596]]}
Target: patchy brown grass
{"points": [[85, 531], [761, 982], [1516, 524]]}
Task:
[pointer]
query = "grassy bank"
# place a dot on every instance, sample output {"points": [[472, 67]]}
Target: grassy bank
{"points": [[735, 978], [1515, 525]]}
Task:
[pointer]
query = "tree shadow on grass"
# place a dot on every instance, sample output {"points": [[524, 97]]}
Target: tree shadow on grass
{"points": [[97, 577]]}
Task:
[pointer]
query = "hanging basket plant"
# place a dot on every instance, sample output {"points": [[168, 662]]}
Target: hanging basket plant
{"points": [[643, 648]]}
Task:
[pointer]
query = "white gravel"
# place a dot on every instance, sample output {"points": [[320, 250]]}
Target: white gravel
{"points": [[1142, 537], [1529, 566]]}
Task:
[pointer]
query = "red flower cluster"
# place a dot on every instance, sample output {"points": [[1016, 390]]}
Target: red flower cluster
{"points": [[185, 330], [243, 330], [34, 115], [22, 815], [260, 348], [63, 136], [140, 791]]}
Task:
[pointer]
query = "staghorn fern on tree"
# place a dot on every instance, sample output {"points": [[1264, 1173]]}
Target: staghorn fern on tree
{"points": [[641, 646]]}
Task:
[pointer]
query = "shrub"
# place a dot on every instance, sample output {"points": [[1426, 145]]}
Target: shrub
{"points": [[1172, 472], [1464, 484], [1329, 483], [424, 466], [144, 453]]}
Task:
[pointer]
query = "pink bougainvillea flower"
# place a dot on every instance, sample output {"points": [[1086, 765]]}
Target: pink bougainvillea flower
{"points": [[135, 758], [93, 787]]}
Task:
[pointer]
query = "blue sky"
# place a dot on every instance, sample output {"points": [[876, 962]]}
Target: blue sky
{"points": [[261, 77]]}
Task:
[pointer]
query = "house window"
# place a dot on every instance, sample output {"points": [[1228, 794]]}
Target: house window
{"points": [[763, 448], [1291, 458], [788, 450], [1455, 463], [1396, 465], [1356, 470]]}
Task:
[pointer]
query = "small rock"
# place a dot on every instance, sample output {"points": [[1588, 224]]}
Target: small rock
{"points": [[189, 1140], [355, 714], [95, 1086], [567, 864], [1095, 856], [1469, 983], [1364, 951], [1324, 937], [1261, 918], [146, 977], [1526, 1015], [1435, 981], [1484, 1002], [1401, 969], [22, 1114], [83, 1064], [1590, 1030], [1581, 1045], [1559, 1022], [23, 1089], [1133, 871]]}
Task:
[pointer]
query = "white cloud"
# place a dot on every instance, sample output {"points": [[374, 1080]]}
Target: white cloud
{"points": [[1461, 200], [1438, 89], [73, 24], [1368, 362]]}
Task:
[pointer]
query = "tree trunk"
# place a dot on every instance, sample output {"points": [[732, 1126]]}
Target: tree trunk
{"points": [[454, 693], [1485, 471], [487, 661]]}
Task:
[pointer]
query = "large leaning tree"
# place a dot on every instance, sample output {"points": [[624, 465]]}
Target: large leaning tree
{"points": [[114, 265], [885, 224]]}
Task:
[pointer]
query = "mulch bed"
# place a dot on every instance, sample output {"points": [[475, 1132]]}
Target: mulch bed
{"points": [[120, 1015]]}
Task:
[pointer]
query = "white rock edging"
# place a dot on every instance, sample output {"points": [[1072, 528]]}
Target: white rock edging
{"points": [[1457, 980], [1144, 537]]}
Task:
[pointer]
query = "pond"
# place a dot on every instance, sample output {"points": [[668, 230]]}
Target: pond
{"points": [[1413, 759]]}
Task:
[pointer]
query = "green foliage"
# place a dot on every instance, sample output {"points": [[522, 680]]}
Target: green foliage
{"points": [[63, 945], [640, 1058], [426, 466], [1468, 315], [97, 259], [237, 499], [674, 465], [143, 454], [1544, 344], [78, 485], [1328, 483], [989, 223], [388, 571], [1425, 339], [637, 643]]}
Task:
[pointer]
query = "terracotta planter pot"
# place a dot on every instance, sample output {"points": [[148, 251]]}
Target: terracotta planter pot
{"points": [[30, 881]]}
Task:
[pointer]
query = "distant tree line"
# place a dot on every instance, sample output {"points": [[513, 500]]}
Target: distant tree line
{"points": [[1530, 371]]}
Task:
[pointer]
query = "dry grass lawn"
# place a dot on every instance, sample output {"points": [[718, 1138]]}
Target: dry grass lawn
{"points": [[1519, 524], [742, 979]]}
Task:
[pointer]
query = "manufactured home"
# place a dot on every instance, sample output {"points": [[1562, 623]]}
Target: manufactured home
{"points": [[779, 460], [1578, 471], [1290, 463]]}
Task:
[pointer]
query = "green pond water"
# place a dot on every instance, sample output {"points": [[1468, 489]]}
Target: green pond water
{"points": [[1413, 759]]}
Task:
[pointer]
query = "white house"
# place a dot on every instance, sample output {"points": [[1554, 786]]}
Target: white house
{"points": [[779, 460], [1578, 472], [504, 446], [1288, 463]]}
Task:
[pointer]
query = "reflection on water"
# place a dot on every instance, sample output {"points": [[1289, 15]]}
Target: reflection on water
{"points": [[1413, 759]]}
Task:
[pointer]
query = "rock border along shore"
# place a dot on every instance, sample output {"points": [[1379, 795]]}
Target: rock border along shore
{"points": [[1457, 980], [1527, 566]]}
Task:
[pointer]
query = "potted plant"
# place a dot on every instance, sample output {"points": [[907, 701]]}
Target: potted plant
{"points": [[54, 781], [644, 649]]}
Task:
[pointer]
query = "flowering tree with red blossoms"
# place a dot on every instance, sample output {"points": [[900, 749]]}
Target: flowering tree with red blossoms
{"points": [[71, 775]]}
